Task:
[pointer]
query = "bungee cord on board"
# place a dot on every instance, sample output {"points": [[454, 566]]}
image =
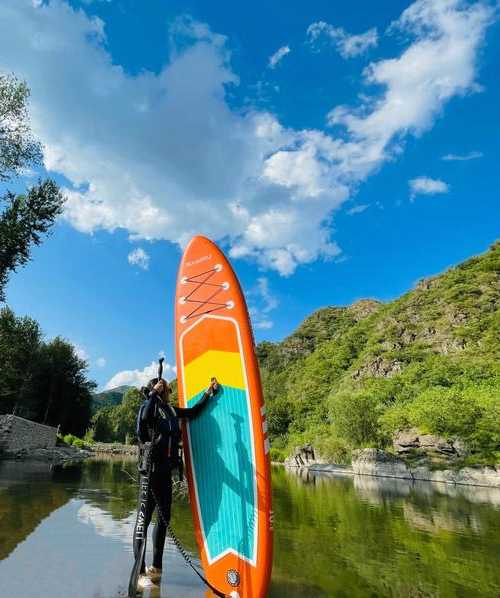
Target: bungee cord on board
{"points": [[201, 303]]}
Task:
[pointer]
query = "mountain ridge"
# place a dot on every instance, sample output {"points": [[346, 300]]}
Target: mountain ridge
{"points": [[349, 377]]}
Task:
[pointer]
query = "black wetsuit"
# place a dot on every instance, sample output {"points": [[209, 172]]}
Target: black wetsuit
{"points": [[163, 419]]}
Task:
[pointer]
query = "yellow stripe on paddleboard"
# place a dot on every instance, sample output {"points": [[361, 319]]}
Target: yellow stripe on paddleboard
{"points": [[224, 365]]}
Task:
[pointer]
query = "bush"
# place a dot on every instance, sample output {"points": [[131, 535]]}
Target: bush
{"points": [[333, 449], [355, 417], [71, 440], [278, 454], [471, 413], [89, 436]]}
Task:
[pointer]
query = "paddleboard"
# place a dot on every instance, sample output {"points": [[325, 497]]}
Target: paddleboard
{"points": [[226, 448]]}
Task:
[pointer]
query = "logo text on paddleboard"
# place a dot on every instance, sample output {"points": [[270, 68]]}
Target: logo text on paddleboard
{"points": [[200, 260], [233, 578]]}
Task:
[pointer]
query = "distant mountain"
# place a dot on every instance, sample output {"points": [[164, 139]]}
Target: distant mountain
{"points": [[108, 398]]}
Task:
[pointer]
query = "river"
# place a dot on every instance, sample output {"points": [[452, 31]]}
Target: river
{"points": [[66, 532]]}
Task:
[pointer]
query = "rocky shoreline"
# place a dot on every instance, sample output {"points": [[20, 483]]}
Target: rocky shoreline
{"points": [[62, 454], [378, 463]]}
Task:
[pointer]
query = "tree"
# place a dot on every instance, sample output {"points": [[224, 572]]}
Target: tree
{"points": [[102, 426], [27, 217], [23, 223], [18, 148], [20, 342], [124, 416], [45, 382], [62, 382]]}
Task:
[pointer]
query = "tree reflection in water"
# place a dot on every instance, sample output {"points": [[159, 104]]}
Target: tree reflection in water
{"points": [[351, 537]]}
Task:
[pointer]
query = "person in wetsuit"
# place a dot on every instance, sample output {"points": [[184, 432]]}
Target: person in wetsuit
{"points": [[158, 422]]}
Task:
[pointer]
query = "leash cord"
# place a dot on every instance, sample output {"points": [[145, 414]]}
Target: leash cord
{"points": [[183, 552]]}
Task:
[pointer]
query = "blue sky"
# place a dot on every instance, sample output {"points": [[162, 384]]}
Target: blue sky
{"points": [[335, 150]]}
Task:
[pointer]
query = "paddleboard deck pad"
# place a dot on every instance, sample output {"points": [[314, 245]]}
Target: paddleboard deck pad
{"points": [[226, 446]]}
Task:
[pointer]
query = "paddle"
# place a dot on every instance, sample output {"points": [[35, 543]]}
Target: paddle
{"points": [[141, 532]]}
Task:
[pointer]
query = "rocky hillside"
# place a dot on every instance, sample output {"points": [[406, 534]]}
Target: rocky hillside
{"points": [[353, 376], [108, 398]]}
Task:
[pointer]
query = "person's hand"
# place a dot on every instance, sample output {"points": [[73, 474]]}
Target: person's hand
{"points": [[161, 387], [214, 386]]}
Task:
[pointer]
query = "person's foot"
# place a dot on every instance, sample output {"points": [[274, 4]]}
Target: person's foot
{"points": [[145, 583], [154, 573]]}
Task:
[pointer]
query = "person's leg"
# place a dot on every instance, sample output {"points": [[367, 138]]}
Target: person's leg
{"points": [[162, 489], [148, 513]]}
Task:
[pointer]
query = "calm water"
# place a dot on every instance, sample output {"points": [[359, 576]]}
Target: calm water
{"points": [[67, 532]]}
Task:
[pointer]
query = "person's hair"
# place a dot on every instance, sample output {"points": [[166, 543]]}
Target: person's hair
{"points": [[155, 381], [151, 383]]}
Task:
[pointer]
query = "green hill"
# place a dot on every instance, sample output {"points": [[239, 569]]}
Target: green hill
{"points": [[351, 377], [108, 398]]}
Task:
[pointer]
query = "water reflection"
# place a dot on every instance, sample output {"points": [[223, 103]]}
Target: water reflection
{"points": [[367, 536], [68, 530]]}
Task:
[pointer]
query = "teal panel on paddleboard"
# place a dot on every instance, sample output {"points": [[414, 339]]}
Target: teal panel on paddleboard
{"points": [[224, 472]]}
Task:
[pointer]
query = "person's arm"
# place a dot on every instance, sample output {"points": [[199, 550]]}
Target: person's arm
{"points": [[149, 411], [191, 412]]}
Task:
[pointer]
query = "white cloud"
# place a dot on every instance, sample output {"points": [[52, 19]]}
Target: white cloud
{"points": [[105, 525], [278, 56], [347, 45], [138, 257], [440, 64], [426, 186], [101, 362], [263, 302], [149, 153], [462, 158], [140, 378], [357, 209]]}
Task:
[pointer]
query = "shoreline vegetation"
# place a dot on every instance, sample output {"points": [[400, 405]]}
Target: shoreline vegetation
{"points": [[367, 462]]}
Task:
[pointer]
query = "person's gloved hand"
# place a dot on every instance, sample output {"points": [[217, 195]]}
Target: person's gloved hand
{"points": [[161, 387], [214, 387]]}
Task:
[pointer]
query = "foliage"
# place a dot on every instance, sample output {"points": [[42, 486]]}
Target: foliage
{"points": [[18, 148], [27, 218], [350, 377], [23, 223], [108, 398], [278, 455], [43, 381], [117, 424], [71, 440]]}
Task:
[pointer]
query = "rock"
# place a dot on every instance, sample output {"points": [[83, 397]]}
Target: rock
{"points": [[438, 444], [379, 368], [115, 448], [379, 463], [460, 448], [303, 456], [405, 441], [426, 283], [363, 308]]}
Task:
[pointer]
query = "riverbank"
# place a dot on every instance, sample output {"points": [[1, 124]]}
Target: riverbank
{"points": [[64, 453], [378, 463]]}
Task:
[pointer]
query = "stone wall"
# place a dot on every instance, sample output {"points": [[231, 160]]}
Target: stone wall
{"points": [[17, 433]]}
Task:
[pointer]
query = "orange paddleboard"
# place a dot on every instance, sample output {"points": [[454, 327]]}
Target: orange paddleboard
{"points": [[226, 447]]}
